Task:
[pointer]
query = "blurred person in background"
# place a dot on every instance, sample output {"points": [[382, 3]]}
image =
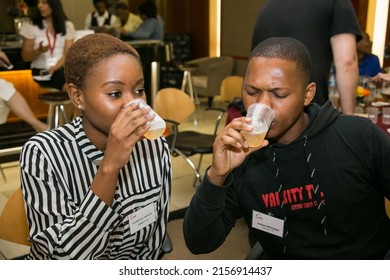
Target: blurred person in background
{"points": [[129, 21], [45, 43], [13, 100], [329, 29], [368, 62], [101, 20], [152, 27]]}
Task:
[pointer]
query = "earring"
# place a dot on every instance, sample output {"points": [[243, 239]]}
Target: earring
{"points": [[79, 106]]}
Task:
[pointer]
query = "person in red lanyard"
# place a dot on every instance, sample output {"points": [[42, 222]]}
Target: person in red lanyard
{"points": [[45, 42]]}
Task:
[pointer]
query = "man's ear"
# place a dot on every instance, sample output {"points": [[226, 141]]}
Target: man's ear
{"points": [[76, 96], [310, 93]]}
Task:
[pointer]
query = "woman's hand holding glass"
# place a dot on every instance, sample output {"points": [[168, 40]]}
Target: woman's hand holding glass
{"points": [[128, 128]]}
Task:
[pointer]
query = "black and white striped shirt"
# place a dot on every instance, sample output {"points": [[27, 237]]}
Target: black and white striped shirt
{"points": [[68, 221]]}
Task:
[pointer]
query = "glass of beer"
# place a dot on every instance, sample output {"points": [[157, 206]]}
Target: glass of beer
{"points": [[157, 126], [262, 117], [386, 90]]}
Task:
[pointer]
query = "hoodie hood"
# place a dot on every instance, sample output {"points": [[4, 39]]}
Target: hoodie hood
{"points": [[320, 118]]}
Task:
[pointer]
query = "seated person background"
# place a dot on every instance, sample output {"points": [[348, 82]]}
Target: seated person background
{"points": [[101, 20], [152, 27], [99, 169], [368, 63], [314, 189], [11, 99], [129, 21]]}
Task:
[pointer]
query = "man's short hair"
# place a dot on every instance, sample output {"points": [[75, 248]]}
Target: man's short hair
{"points": [[285, 48]]}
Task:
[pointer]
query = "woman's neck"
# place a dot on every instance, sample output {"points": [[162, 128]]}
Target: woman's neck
{"points": [[49, 24], [97, 137], [48, 20]]}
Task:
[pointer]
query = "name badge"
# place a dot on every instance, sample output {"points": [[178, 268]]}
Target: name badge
{"points": [[51, 61], [267, 223], [142, 218]]}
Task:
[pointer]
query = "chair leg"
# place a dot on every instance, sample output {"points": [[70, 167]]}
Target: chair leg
{"points": [[198, 168], [3, 174], [209, 101], [56, 116], [64, 114], [190, 163], [166, 246], [50, 116]]}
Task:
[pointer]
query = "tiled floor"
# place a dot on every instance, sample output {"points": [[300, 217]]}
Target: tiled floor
{"points": [[183, 176]]}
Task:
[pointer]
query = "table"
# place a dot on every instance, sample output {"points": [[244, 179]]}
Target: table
{"points": [[385, 127], [187, 79], [187, 68]]}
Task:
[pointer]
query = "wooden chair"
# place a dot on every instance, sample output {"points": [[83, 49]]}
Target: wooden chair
{"points": [[174, 106], [208, 75], [231, 87], [231, 92], [14, 227], [13, 220]]}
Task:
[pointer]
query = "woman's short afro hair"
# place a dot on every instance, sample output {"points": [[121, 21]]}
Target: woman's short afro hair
{"points": [[88, 51]]}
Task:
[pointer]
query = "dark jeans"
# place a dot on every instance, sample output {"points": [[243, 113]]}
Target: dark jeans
{"points": [[57, 79]]}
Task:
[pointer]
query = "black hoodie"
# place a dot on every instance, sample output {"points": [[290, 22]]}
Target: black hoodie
{"points": [[328, 186]]}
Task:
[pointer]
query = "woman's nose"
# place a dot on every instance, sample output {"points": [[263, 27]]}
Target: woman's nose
{"points": [[127, 98]]}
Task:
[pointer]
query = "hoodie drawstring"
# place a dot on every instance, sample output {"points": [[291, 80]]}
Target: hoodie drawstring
{"points": [[317, 193]]}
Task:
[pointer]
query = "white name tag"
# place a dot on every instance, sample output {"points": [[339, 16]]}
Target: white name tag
{"points": [[267, 223], [51, 61], [142, 218]]}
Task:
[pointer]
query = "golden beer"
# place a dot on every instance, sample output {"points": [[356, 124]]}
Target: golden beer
{"points": [[254, 139], [153, 134]]}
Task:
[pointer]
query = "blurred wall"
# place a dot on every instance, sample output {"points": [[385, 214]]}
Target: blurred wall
{"points": [[77, 10], [6, 22], [237, 22]]}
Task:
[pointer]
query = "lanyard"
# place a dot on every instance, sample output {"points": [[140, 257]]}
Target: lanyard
{"points": [[51, 47]]}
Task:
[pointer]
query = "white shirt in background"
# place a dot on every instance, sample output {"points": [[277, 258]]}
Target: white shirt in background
{"points": [[7, 90]]}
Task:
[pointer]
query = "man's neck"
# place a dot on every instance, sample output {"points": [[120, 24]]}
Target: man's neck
{"points": [[296, 130]]}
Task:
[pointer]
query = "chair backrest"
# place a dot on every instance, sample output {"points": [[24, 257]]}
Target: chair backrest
{"points": [[231, 87], [210, 72], [13, 221], [173, 104]]}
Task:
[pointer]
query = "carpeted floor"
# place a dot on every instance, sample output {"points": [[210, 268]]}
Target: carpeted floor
{"points": [[236, 246]]}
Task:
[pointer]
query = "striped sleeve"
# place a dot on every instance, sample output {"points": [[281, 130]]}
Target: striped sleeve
{"points": [[59, 229]]}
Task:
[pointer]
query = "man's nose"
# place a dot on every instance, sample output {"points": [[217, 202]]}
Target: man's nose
{"points": [[265, 98]]}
